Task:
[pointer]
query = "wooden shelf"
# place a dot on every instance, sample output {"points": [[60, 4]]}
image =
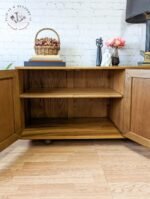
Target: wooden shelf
{"points": [[70, 68], [80, 67], [73, 93], [79, 128]]}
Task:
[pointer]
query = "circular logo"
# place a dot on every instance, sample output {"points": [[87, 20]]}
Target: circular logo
{"points": [[18, 17]]}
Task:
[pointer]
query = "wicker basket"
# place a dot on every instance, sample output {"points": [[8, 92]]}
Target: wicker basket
{"points": [[47, 50]]}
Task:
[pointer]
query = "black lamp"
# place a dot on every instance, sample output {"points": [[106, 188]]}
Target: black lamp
{"points": [[138, 11]]}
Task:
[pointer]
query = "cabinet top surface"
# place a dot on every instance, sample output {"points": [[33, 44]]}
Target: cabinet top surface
{"points": [[81, 68]]}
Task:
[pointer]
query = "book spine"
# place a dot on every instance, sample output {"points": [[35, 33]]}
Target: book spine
{"points": [[31, 63]]}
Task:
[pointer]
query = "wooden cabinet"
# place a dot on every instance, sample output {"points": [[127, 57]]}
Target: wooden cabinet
{"points": [[9, 108], [74, 103], [137, 104], [69, 103]]}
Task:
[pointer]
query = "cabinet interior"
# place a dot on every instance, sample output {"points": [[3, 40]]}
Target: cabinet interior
{"points": [[76, 100]]}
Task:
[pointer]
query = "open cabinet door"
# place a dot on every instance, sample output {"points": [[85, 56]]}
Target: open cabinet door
{"points": [[137, 106], [10, 123]]}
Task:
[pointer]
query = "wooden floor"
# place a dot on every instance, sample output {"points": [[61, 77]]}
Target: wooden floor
{"points": [[117, 169]]}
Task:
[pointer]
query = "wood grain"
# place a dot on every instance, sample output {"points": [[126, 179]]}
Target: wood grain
{"points": [[91, 169], [6, 109], [44, 79], [138, 138], [66, 108], [140, 107], [48, 108], [89, 108], [72, 93], [10, 123], [137, 103], [116, 109], [91, 68], [80, 128], [81, 68]]}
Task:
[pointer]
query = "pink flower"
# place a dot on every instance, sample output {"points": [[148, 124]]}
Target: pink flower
{"points": [[110, 42], [117, 42]]}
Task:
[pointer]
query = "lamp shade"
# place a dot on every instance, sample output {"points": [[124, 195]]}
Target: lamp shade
{"points": [[136, 9]]}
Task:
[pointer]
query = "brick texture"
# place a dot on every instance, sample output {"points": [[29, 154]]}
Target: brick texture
{"points": [[79, 23]]}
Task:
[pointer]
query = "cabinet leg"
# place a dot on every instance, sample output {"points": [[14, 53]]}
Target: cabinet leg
{"points": [[39, 142], [47, 142]]}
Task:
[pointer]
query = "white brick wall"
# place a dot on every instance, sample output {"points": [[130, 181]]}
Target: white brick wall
{"points": [[79, 23]]}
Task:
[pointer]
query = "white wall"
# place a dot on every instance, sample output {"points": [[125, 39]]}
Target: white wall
{"points": [[79, 23]]}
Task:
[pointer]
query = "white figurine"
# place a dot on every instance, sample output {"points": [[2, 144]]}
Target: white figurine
{"points": [[107, 58]]}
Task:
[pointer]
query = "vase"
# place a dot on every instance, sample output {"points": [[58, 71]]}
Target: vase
{"points": [[115, 57]]}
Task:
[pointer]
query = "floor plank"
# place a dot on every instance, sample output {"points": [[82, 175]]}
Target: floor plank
{"points": [[91, 169]]}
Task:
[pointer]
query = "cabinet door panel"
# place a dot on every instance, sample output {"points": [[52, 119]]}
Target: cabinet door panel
{"points": [[137, 117], [6, 109], [140, 112], [9, 108]]}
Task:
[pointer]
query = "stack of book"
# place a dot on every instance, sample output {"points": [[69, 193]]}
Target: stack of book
{"points": [[45, 60]]}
